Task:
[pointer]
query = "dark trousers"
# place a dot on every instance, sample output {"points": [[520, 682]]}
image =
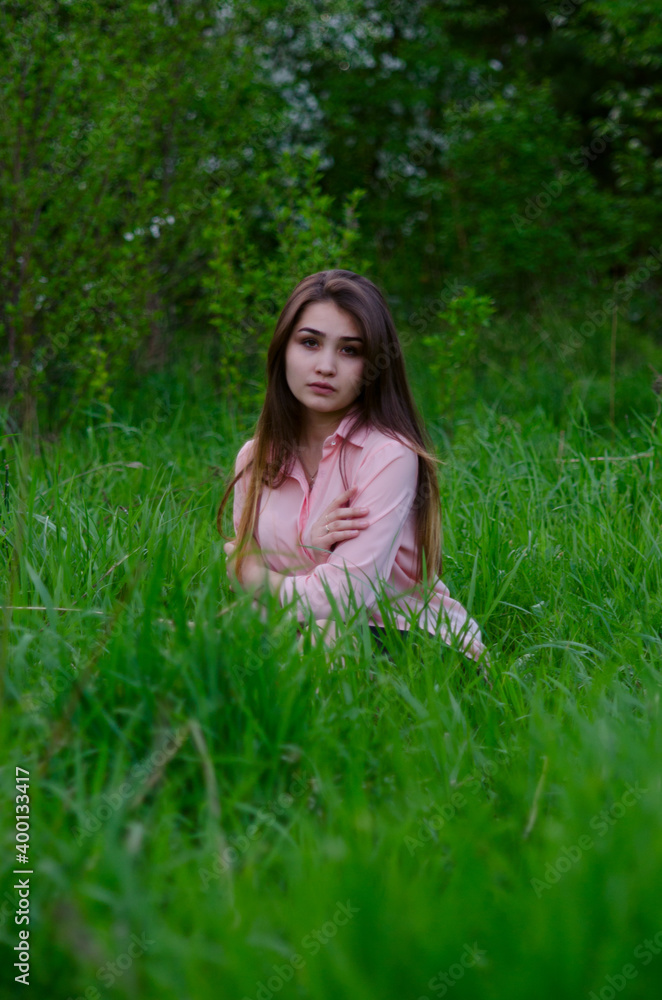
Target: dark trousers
{"points": [[379, 634], [412, 635]]}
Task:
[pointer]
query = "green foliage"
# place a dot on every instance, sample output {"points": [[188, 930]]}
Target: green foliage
{"points": [[625, 41], [453, 348], [77, 294], [515, 225], [513, 148]]}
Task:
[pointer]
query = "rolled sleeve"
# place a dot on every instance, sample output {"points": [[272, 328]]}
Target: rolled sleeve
{"points": [[386, 482]]}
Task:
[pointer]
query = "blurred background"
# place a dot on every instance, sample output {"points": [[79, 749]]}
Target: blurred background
{"points": [[170, 170]]}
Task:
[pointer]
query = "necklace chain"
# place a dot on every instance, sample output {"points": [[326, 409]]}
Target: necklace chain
{"points": [[311, 479]]}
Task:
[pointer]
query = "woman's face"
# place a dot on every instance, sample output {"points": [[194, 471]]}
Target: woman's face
{"points": [[326, 346]]}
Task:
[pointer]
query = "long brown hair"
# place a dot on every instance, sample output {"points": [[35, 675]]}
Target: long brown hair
{"points": [[385, 402]]}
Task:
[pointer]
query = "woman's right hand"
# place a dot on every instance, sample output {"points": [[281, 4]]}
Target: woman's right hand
{"points": [[342, 522]]}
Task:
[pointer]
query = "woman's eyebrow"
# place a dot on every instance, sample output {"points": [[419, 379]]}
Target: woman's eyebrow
{"points": [[309, 329]]}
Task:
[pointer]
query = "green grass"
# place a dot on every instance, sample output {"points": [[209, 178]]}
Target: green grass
{"points": [[200, 779]]}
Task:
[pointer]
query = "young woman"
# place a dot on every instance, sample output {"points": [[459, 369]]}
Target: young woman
{"points": [[336, 498]]}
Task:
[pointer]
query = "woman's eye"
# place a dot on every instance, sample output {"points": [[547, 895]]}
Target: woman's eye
{"points": [[309, 340]]}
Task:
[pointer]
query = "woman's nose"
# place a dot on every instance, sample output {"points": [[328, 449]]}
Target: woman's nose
{"points": [[325, 363]]}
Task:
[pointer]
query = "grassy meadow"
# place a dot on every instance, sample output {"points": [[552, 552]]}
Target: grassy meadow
{"points": [[219, 810]]}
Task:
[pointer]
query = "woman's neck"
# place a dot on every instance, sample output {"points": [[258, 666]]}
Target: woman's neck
{"points": [[317, 428]]}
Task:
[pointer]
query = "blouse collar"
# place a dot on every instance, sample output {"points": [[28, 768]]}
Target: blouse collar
{"points": [[359, 436]]}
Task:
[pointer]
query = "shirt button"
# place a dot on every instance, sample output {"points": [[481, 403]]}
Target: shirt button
{"points": [[333, 441]]}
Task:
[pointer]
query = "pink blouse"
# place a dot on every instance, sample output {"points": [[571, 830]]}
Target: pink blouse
{"points": [[385, 473]]}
